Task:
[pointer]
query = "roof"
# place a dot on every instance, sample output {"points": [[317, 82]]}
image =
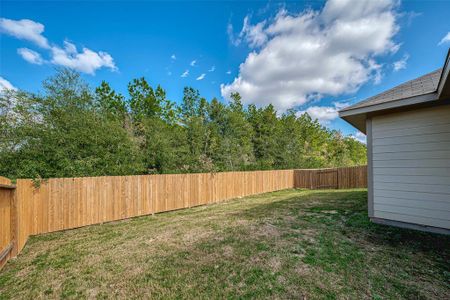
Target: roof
{"points": [[423, 85], [430, 89]]}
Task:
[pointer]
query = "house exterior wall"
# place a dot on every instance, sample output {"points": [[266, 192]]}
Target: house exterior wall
{"points": [[409, 166]]}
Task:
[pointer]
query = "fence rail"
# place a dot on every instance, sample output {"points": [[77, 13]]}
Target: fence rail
{"points": [[64, 203]]}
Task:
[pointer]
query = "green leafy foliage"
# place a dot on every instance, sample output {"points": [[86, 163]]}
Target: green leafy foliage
{"points": [[72, 130]]}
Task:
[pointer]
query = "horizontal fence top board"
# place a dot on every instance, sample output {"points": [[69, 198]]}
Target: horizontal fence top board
{"points": [[5, 181]]}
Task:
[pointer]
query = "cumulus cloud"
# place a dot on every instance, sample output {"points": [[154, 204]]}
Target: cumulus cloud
{"points": [[185, 73], [6, 85], [445, 39], [30, 56], [87, 60], [201, 77], [193, 63], [298, 57], [25, 30], [324, 114], [401, 64]]}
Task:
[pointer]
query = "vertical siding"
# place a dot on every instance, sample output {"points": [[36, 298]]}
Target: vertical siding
{"points": [[411, 166]]}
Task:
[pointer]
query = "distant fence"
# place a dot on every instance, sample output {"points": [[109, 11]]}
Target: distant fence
{"points": [[333, 178], [64, 203]]}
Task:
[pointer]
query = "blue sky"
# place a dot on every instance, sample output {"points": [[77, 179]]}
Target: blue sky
{"points": [[314, 56]]}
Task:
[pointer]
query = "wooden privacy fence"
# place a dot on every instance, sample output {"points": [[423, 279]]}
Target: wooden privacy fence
{"points": [[7, 220], [332, 178], [64, 203]]}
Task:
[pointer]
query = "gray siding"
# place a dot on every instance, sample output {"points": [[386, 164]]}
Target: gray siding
{"points": [[411, 166]]}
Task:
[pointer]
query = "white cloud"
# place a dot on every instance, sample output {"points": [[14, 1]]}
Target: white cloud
{"points": [[235, 40], [213, 68], [201, 77], [173, 57], [6, 85], [30, 56], [193, 63], [401, 64], [25, 30], [324, 114], [328, 52], [229, 72], [253, 34], [445, 39], [185, 73], [360, 137], [87, 61]]}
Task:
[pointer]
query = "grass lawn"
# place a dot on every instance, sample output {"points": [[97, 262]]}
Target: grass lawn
{"points": [[287, 244]]}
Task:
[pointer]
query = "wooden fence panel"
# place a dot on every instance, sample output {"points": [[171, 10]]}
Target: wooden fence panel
{"points": [[7, 220], [352, 177], [338, 178], [304, 179], [327, 179], [64, 203], [6, 238]]}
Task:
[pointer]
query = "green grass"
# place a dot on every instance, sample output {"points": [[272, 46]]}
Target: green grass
{"points": [[288, 244]]}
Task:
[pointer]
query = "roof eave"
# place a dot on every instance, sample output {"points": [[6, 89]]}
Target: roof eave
{"points": [[357, 116], [389, 105], [357, 121]]}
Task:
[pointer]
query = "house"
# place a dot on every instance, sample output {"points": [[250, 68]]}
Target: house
{"points": [[408, 152]]}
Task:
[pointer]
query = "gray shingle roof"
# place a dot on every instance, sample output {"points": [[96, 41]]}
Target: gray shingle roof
{"points": [[416, 87]]}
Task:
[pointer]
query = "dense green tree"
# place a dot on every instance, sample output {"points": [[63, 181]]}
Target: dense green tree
{"points": [[266, 131], [217, 113], [70, 130], [237, 136], [290, 142], [109, 103], [143, 100], [194, 117], [155, 120], [61, 134]]}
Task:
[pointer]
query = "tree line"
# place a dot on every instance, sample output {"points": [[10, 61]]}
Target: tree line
{"points": [[71, 130]]}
